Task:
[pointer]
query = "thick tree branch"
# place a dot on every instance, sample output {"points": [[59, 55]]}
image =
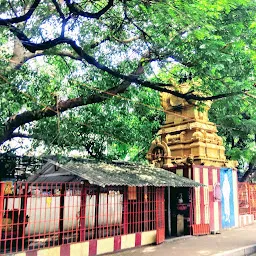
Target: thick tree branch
{"points": [[29, 116], [26, 16], [18, 64], [76, 11], [161, 87], [94, 45], [58, 9], [134, 79], [22, 135], [62, 16], [12, 8], [249, 172]]}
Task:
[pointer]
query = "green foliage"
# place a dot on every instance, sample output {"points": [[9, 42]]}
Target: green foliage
{"points": [[112, 130], [215, 40], [237, 125]]}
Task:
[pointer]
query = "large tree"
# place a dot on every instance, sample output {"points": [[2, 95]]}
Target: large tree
{"points": [[64, 62]]}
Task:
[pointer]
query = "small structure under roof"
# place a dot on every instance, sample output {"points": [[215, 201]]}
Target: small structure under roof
{"points": [[83, 201], [115, 174]]}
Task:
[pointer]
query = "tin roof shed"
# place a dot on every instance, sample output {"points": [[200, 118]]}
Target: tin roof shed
{"points": [[114, 174]]}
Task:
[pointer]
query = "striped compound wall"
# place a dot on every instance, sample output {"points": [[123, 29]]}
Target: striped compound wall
{"points": [[207, 208], [97, 247]]}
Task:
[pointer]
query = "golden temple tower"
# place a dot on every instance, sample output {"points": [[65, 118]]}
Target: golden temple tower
{"points": [[187, 135]]}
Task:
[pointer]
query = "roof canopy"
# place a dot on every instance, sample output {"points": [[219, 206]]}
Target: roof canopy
{"points": [[115, 174]]}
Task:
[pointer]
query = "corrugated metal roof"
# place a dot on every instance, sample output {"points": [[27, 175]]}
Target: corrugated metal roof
{"points": [[103, 174], [61, 178]]}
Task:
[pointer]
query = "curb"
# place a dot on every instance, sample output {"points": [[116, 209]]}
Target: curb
{"points": [[243, 251], [175, 239]]}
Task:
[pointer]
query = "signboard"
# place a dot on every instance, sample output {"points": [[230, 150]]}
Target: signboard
{"points": [[8, 188], [217, 192], [132, 195]]}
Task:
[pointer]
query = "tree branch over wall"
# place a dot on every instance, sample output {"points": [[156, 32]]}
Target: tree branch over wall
{"points": [[33, 47], [26, 117], [25, 17], [77, 11], [78, 53]]}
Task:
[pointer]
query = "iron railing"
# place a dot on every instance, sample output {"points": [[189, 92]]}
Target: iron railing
{"points": [[34, 215], [247, 198]]}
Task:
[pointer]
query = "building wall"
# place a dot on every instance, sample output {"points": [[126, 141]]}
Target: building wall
{"points": [[207, 208], [121, 218], [97, 247]]}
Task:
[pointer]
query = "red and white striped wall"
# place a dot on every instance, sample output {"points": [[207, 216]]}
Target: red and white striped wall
{"points": [[206, 210], [97, 247]]}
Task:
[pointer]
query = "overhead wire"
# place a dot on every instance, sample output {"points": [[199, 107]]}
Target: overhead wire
{"points": [[138, 103], [28, 95], [58, 113], [116, 96], [120, 97], [151, 107]]}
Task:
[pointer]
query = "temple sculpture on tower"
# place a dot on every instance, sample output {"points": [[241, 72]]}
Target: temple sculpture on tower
{"points": [[187, 136]]}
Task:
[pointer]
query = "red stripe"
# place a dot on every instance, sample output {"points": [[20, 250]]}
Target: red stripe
{"points": [[211, 198], [92, 247], [202, 210], [31, 253], [194, 195], [65, 250], [219, 203], [138, 239], [117, 243], [194, 204]]}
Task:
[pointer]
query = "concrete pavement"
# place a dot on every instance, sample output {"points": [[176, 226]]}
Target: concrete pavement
{"points": [[232, 239]]}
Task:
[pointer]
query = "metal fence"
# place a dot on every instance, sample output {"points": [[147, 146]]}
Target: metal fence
{"points": [[34, 216], [247, 198]]}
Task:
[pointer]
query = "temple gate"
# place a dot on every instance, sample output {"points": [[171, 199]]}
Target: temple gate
{"points": [[188, 144]]}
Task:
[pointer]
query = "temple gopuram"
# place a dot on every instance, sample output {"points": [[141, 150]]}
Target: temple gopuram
{"points": [[187, 135], [189, 146]]}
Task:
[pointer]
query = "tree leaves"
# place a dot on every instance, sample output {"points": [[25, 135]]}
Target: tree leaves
{"points": [[79, 50]]}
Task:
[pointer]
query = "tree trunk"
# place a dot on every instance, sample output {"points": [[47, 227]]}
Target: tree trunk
{"points": [[251, 170]]}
